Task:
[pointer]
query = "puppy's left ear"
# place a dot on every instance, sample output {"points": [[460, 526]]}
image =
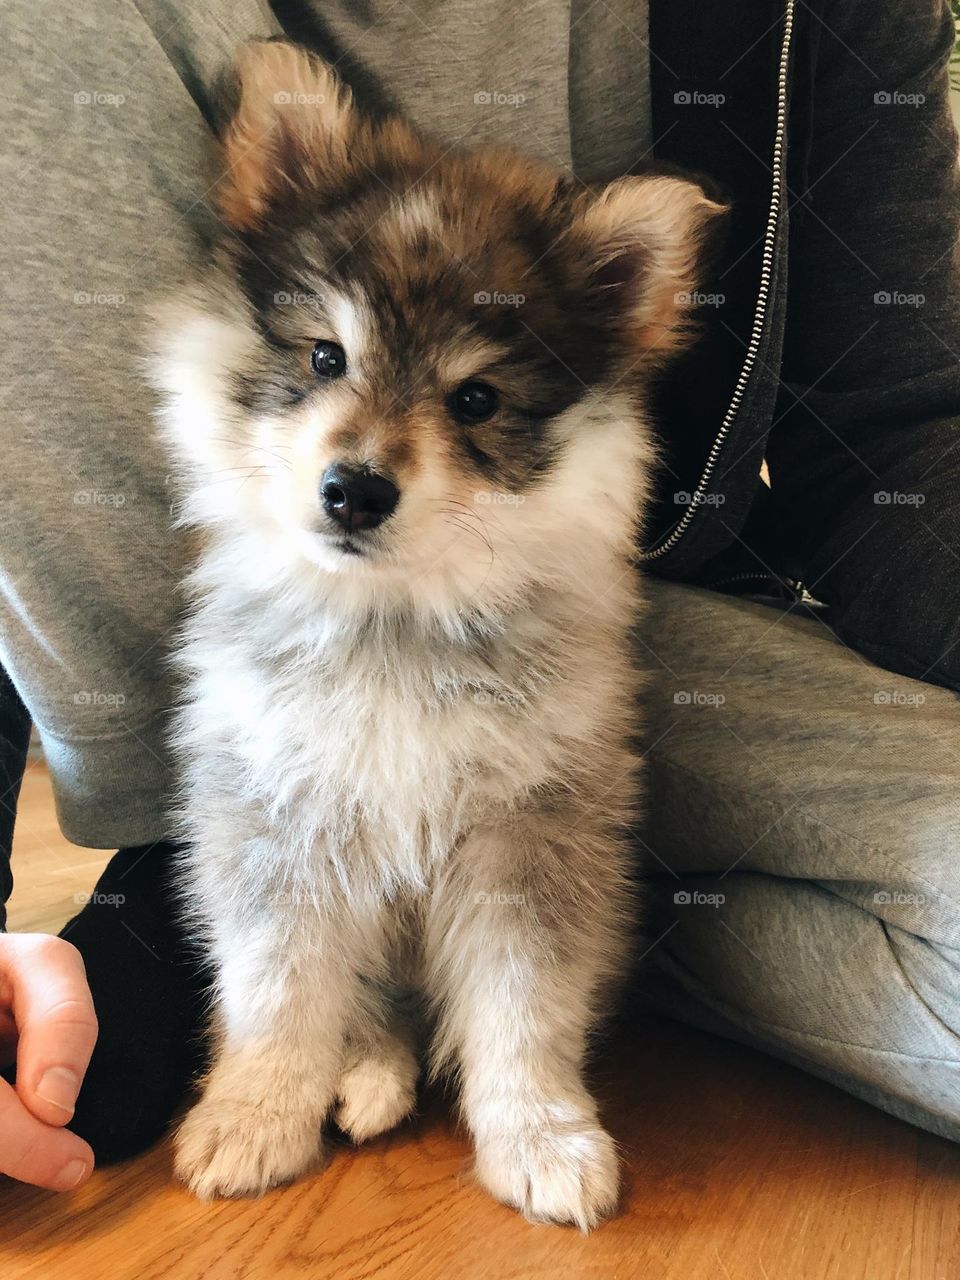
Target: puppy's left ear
{"points": [[289, 134], [646, 239]]}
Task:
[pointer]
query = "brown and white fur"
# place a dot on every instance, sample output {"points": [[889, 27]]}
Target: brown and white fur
{"points": [[407, 754]]}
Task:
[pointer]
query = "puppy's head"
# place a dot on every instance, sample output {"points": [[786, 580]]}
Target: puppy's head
{"points": [[420, 369]]}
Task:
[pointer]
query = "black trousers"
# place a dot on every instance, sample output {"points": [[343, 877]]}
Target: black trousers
{"points": [[14, 741]]}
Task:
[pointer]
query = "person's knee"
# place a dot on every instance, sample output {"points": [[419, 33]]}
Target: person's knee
{"points": [[803, 972]]}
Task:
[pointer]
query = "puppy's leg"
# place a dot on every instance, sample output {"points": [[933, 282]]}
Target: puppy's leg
{"points": [[287, 982], [378, 1083], [526, 927]]}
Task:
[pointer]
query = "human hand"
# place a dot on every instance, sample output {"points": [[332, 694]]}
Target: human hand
{"points": [[49, 1027]]}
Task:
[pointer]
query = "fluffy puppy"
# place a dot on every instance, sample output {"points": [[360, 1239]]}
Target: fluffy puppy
{"points": [[406, 406]]}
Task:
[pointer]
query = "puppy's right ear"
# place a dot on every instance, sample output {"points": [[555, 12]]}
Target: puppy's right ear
{"points": [[289, 132]]}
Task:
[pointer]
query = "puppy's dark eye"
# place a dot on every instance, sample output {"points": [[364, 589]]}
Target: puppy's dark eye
{"points": [[329, 360], [474, 402]]}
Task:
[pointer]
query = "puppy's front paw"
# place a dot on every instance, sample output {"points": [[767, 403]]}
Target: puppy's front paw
{"points": [[377, 1092], [563, 1170], [227, 1148]]}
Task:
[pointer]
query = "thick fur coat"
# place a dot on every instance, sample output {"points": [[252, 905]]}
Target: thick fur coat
{"points": [[406, 748]]}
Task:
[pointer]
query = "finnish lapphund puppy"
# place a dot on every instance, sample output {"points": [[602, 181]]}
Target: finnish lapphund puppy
{"points": [[406, 405]]}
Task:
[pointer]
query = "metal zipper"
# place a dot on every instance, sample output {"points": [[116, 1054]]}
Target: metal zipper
{"points": [[760, 313], [758, 575]]}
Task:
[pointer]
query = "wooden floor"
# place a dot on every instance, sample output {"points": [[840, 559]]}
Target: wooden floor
{"points": [[736, 1167]]}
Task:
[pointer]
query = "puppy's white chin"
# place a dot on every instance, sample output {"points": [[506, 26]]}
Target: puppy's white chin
{"points": [[336, 553]]}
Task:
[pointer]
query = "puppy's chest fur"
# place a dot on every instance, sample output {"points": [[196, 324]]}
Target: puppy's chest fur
{"points": [[371, 751]]}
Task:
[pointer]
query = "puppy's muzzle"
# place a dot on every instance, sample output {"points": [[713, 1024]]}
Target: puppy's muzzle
{"points": [[356, 497]]}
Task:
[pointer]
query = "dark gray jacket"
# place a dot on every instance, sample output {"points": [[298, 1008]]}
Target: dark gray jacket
{"points": [[835, 351]]}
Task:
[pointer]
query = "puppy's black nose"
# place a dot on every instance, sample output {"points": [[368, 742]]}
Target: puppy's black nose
{"points": [[356, 497]]}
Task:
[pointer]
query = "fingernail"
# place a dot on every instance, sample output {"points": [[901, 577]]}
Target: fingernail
{"points": [[59, 1086], [70, 1175]]}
